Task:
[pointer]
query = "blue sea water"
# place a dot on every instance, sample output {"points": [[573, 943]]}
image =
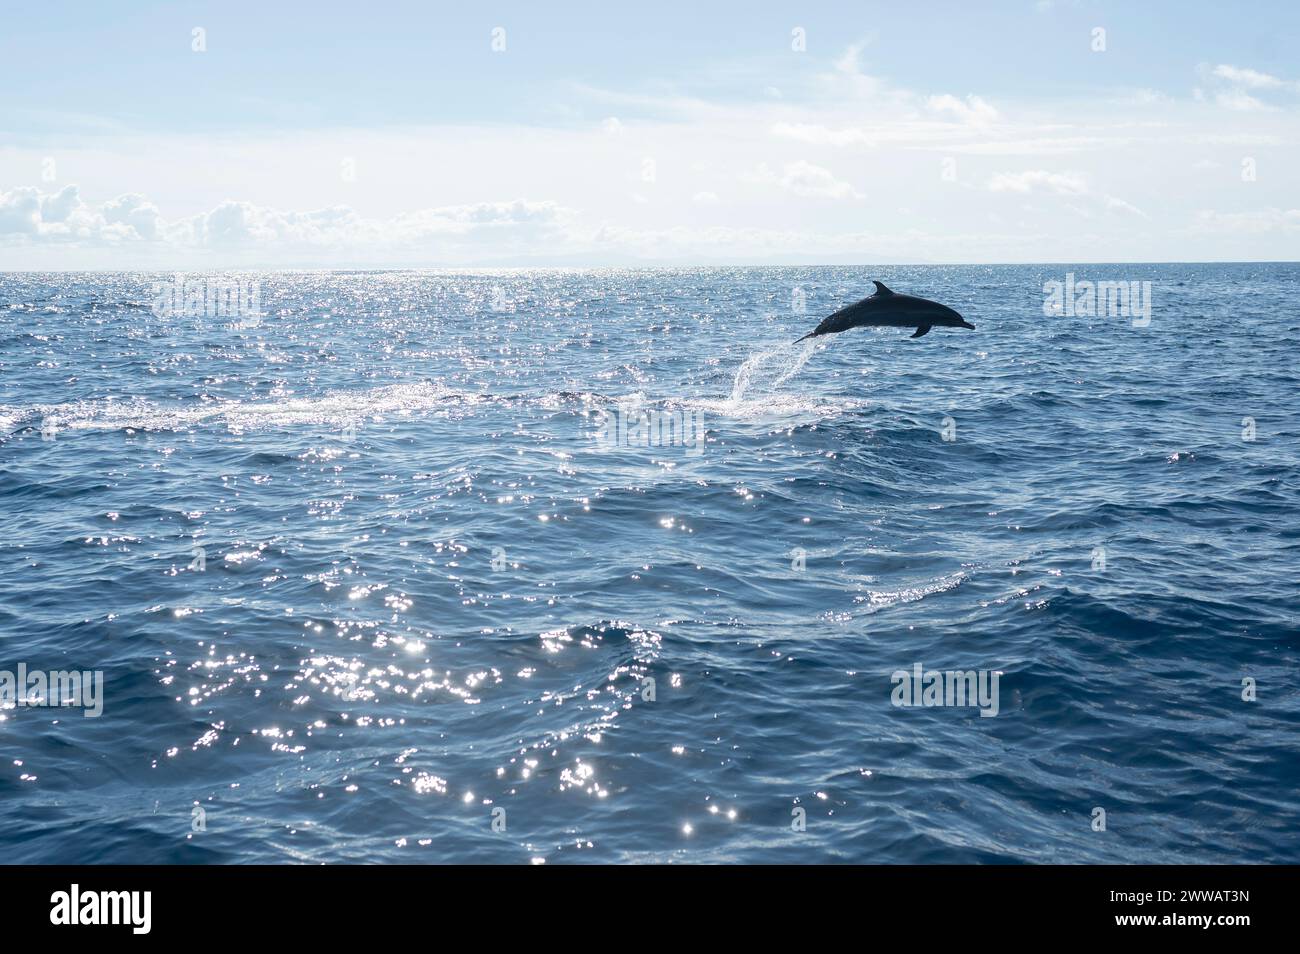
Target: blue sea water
{"points": [[361, 574]]}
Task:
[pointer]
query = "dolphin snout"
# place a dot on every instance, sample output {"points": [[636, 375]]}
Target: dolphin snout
{"points": [[967, 324]]}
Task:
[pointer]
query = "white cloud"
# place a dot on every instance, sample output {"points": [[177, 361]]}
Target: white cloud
{"points": [[28, 216], [1069, 184], [804, 179], [822, 135], [1046, 146], [1239, 101], [1242, 84], [256, 199], [1252, 79], [1254, 222], [1143, 97], [849, 79], [1032, 180], [972, 110], [133, 212], [20, 211], [1119, 205], [58, 208]]}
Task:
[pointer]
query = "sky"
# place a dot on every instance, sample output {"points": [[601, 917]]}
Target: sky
{"points": [[389, 134]]}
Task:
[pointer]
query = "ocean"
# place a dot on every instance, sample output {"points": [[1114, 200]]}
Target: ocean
{"points": [[564, 566]]}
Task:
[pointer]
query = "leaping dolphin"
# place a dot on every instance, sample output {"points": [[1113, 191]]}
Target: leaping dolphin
{"points": [[886, 309]]}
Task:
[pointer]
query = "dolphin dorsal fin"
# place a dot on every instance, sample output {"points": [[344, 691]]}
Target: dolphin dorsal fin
{"points": [[881, 289]]}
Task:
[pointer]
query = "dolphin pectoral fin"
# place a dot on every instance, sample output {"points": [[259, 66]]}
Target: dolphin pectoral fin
{"points": [[920, 331]]}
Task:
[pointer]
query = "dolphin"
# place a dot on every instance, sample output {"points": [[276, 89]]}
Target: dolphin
{"points": [[886, 309]]}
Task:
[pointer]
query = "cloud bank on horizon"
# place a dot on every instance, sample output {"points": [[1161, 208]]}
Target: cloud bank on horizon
{"points": [[236, 136]]}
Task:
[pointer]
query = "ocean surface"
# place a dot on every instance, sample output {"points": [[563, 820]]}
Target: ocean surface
{"points": [[371, 577]]}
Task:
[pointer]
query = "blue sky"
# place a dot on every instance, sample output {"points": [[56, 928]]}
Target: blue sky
{"points": [[394, 134]]}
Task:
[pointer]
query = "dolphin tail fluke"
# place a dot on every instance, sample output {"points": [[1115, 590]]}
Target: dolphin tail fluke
{"points": [[920, 331]]}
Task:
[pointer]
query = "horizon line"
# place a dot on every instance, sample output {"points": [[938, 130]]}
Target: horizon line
{"points": [[626, 267]]}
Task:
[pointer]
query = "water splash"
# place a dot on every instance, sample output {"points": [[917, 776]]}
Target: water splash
{"points": [[800, 360], [753, 373]]}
